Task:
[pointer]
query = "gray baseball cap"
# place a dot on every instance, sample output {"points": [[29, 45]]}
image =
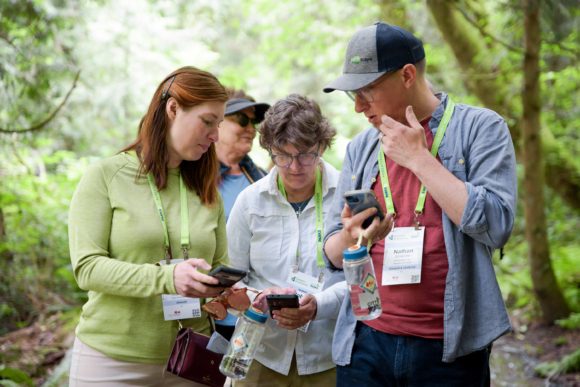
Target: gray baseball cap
{"points": [[373, 51], [238, 104]]}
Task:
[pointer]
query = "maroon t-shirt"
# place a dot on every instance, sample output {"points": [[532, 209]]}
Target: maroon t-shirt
{"points": [[412, 309]]}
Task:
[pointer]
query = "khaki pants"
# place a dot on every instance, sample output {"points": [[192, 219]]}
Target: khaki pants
{"points": [[261, 376], [91, 368]]}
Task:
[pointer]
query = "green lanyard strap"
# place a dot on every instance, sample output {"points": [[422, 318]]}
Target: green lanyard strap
{"points": [[319, 214], [434, 148], [184, 218]]}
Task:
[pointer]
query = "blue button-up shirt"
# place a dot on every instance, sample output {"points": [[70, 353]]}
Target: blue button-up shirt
{"points": [[478, 150]]}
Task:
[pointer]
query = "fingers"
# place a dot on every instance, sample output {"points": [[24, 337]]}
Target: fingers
{"points": [[346, 212], [260, 301], [199, 263], [293, 318], [189, 282], [378, 229], [411, 118]]}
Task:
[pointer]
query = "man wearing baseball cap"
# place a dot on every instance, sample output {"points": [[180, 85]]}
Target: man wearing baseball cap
{"points": [[444, 173]]}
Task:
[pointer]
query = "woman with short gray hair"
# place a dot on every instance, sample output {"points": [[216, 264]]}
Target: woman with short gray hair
{"points": [[275, 232]]}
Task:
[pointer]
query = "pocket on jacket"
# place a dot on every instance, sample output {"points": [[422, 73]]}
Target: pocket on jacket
{"points": [[266, 236], [456, 165]]}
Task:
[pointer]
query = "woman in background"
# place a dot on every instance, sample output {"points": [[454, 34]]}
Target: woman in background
{"points": [[237, 170]]}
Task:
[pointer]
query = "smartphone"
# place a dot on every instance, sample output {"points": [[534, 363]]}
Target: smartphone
{"points": [[279, 301], [227, 276], [359, 200]]}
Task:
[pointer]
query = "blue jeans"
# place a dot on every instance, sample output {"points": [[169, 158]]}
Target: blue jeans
{"points": [[381, 359]]}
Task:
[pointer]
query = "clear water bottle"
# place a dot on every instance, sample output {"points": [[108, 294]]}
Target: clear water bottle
{"points": [[243, 344], [362, 283]]}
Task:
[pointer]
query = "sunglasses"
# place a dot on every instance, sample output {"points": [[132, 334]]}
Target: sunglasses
{"points": [[243, 120], [230, 298]]}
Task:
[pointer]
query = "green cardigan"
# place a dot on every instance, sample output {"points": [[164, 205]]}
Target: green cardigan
{"points": [[116, 239]]}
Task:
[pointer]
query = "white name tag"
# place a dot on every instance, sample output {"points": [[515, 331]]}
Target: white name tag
{"points": [[176, 307], [403, 256], [304, 284]]}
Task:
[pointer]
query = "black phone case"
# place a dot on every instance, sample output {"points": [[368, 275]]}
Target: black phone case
{"points": [[279, 301], [227, 276]]}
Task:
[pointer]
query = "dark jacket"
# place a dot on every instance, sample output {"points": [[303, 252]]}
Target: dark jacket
{"points": [[251, 170]]}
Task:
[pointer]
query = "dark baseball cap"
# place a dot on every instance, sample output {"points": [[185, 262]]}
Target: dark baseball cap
{"points": [[237, 104], [374, 51]]}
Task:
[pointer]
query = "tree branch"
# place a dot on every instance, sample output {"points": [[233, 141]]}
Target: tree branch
{"points": [[48, 118]]}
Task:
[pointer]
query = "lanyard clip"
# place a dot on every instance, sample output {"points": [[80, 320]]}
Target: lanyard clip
{"points": [[417, 223], [167, 256]]}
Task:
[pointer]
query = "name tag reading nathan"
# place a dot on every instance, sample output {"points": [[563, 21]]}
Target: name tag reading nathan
{"points": [[403, 256], [176, 307]]}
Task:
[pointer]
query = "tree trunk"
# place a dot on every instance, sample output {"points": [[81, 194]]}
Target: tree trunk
{"points": [[548, 293], [484, 81], [6, 256]]}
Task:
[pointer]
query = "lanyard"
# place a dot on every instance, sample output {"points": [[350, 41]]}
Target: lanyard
{"points": [[423, 191], [184, 218], [319, 216]]}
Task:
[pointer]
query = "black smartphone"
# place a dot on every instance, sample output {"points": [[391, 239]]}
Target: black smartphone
{"points": [[359, 200], [279, 301], [227, 276]]}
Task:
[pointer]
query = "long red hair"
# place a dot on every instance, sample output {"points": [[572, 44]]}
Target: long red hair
{"points": [[189, 86]]}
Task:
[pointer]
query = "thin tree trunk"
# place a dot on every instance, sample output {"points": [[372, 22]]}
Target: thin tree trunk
{"points": [[490, 86], [548, 293], [6, 256]]}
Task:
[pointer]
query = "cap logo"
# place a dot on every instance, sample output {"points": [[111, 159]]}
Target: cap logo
{"points": [[357, 59]]}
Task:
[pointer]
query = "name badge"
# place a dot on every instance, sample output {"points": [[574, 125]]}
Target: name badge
{"points": [[304, 284], [176, 307], [403, 256]]}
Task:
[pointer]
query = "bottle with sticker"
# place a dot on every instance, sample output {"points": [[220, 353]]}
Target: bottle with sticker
{"points": [[243, 344], [362, 283]]}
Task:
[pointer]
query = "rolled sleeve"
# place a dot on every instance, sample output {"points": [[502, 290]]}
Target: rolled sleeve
{"points": [[491, 185]]}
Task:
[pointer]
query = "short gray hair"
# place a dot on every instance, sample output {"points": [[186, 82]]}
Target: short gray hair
{"points": [[296, 120]]}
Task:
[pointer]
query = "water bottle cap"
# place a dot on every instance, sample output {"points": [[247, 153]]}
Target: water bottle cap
{"points": [[353, 253], [254, 314]]}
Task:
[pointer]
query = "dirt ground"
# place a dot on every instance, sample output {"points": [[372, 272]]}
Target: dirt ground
{"points": [[40, 349]]}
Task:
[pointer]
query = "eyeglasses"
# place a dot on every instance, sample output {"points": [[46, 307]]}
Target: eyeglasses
{"points": [[304, 159], [365, 94], [235, 298], [243, 120]]}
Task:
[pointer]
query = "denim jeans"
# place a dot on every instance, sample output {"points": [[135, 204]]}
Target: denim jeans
{"points": [[382, 359]]}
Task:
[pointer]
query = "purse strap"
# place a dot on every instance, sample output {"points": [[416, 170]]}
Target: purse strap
{"points": [[209, 319]]}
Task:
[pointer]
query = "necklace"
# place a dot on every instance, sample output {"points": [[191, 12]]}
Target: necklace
{"points": [[300, 206]]}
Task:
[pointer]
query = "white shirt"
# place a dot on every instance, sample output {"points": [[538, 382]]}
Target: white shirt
{"points": [[264, 234]]}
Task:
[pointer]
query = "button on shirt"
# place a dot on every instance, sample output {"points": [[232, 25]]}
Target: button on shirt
{"points": [[264, 234]]}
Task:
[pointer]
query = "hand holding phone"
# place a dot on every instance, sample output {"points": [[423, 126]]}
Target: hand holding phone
{"points": [[279, 301], [361, 199], [227, 276]]}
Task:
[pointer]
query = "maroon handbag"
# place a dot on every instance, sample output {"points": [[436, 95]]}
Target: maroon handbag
{"points": [[190, 359]]}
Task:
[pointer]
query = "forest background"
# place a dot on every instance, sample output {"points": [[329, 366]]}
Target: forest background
{"points": [[76, 77]]}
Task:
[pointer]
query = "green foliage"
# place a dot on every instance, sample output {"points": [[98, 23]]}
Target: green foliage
{"points": [[513, 271], [10, 377], [36, 273], [271, 49], [571, 322], [570, 363]]}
